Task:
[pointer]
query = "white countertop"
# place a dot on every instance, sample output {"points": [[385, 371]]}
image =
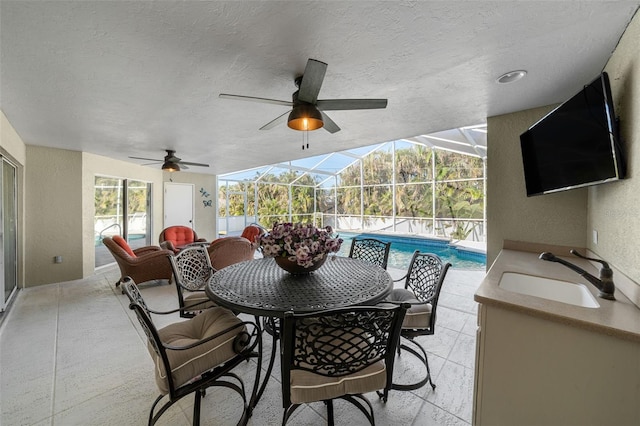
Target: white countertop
{"points": [[620, 318]]}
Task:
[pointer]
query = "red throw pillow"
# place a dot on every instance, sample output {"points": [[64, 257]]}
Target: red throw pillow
{"points": [[122, 243]]}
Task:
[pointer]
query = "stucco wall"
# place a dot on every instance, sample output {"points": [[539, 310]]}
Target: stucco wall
{"points": [[559, 218], [614, 209], [53, 212]]}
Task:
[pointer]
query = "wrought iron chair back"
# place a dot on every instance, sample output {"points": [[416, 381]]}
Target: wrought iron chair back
{"points": [[191, 271], [423, 283], [370, 250], [424, 279], [337, 344], [246, 338]]}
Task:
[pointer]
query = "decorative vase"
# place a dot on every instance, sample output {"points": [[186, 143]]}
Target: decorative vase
{"points": [[294, 269]]}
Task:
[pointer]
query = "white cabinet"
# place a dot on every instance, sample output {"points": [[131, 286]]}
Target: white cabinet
{"points": [[534, 371]]}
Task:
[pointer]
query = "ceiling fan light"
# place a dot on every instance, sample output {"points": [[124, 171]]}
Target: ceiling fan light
{"points": [[168, 166], [305, 117]]}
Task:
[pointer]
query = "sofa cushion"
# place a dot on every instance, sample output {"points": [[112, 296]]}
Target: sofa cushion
{"points": [[123, 243]]}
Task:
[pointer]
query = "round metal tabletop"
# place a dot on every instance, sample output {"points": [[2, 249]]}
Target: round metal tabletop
{"points": [[261, 287]]}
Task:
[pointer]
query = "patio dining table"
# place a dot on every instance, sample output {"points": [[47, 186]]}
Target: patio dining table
{"points": [[261, 288]]}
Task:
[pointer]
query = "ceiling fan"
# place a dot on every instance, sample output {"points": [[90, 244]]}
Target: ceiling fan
{"points": [[171, 163], [307, 111]]}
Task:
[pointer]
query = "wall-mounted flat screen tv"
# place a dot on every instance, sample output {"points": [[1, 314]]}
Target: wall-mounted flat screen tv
{"points": [[575, 145]]}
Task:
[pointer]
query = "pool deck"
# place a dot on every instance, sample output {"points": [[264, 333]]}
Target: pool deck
{"points": [[473, 246]]}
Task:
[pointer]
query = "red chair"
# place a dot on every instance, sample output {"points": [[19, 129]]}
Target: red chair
{"points": [[175, 237], [142, 264]]}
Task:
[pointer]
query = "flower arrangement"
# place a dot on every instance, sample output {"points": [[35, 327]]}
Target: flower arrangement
{"points": [[303, 244]]}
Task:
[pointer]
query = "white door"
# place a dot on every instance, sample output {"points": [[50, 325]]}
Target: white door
{"points": [[178, 204]]}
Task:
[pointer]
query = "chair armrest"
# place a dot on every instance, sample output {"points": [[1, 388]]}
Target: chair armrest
{"points": [[145, 250], [401, 278], [201, 240], [143, 257], [256, 333], [167, 245]]}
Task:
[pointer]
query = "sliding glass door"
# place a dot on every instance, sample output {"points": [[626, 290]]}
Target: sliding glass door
{"points": [[122, 207], [8, 231]]}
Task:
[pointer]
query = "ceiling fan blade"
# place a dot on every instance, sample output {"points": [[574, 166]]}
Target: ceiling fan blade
{"points": [[345, 104], [276, 121], [254, 99], [312, 81], [329, 125], [146, 159], [189, 163]]}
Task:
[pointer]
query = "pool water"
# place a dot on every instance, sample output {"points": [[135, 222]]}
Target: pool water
{"points": [[402, 249]]}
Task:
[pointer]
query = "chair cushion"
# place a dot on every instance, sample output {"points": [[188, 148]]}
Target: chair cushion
{"points": [[179, 235], [123, 243], [309, 387], [198, 297], [190, 363], [418, 315]]}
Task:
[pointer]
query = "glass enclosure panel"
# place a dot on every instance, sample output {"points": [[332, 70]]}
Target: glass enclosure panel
{"points": [[273, 203], [325, 201], [414, 200], [460, 200], [138, 217], [107, 222], [351, 175], [349, 201], [387, 186], [302, 199], [413, 164], [378, 200], [377, 168], [451, 165], [9, 236], [111, 197]]}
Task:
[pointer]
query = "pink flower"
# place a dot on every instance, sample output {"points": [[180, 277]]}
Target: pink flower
{"points": [[305, 244]]}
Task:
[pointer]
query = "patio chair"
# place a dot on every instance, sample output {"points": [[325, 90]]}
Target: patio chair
{"points": [[229, 250], [340, 353], [252, 232], [175, 237], [191, 272], [423, 283], [370, 250], [198, 353], [142, 264]]}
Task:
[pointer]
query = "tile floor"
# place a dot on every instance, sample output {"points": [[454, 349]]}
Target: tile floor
{"points": [[72, 353]]}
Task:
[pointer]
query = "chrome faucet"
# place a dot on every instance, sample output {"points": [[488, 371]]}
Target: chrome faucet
{"points": [[604, 284]]}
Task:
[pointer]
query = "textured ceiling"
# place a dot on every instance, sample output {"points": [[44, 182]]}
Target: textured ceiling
{"points": [[135, 78]]}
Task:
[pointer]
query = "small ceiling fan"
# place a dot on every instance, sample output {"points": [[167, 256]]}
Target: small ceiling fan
{"points": [[171, 163], [307, 111]]}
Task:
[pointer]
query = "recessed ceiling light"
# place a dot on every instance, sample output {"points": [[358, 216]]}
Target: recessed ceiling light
{"points": [[511, 76]]}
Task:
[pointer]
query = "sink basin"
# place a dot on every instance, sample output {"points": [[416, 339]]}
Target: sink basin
{"points": [[547, 288]]}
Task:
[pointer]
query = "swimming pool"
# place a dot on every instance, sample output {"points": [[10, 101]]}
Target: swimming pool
{"points": [[402, 248]]}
